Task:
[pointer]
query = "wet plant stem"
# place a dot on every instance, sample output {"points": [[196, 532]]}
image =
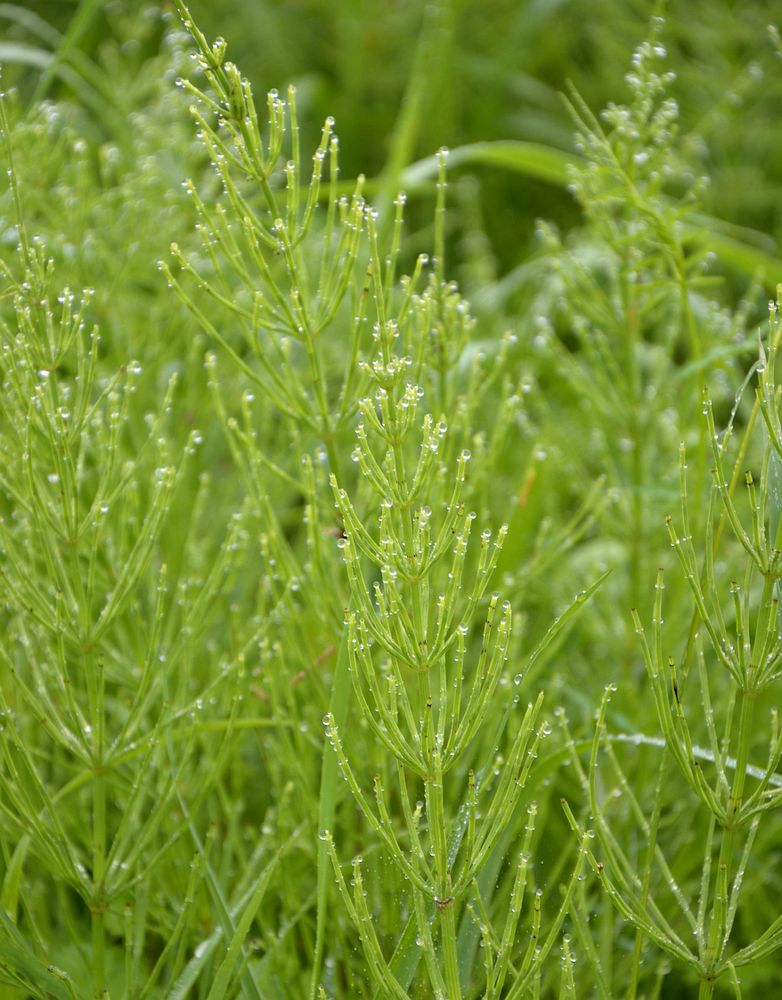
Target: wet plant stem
{"points": [[448, 935], [444, 900], [98, 903]]}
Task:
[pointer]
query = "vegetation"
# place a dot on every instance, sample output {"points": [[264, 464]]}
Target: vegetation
{"points": [[389, 561]]}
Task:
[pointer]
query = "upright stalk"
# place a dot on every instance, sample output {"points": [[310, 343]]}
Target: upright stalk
{"points": [[98, 904]]}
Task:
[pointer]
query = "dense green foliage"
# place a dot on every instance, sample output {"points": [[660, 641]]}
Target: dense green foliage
{"points": [[389, 581]]}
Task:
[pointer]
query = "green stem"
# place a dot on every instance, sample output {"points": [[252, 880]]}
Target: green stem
{"points": [[696, 350], [444, 900], [386, 341], [635, 430], [98, 903], [98, 951], [327, 805], [451, 960], [716, 943]]}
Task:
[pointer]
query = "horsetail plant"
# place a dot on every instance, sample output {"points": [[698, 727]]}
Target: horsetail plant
{"points": [[738, 651], [405, 654], [413, 605], [99, 704], [632, 285]]}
